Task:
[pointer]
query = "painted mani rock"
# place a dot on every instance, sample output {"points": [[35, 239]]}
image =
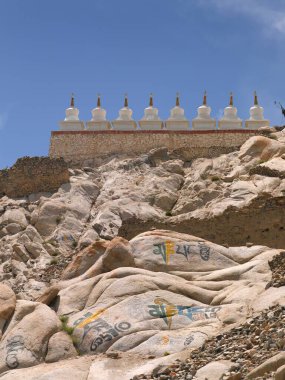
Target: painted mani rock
{"points": [[109, 332], [168, 248], [106, 332], [14, 346], [165, 310], [188, 340]]}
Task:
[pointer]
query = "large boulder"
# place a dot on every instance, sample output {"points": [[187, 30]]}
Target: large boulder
{"points": [[170, 251], [15, 216], [85, 259], [25, 342], [269, 365], [7, 304], [69, 208], [49, 216], [280, 373], [214, 370], [60, 347], [262, 148], [158, 155], [118, 254], [272, 168]]}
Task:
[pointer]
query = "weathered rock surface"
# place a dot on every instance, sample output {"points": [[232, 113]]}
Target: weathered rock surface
{"points": [[219, 199], [213, 370], [7, 304], [14, 216], [60, 347], [177, 292], [64, 370], [210, 263]]}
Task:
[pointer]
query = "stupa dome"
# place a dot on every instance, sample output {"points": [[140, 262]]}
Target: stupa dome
{"points": [[204, 111], [125, 113], [150, 113], [230, 112], [256, 111], [203, 120], [177, 112], [98, 113]]}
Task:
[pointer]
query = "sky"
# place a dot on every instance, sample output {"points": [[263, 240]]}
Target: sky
{"points": [[49, 49]]}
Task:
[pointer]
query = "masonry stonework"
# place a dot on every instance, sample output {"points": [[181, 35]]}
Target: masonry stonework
{"points": [[78, 146], [33, 175]]}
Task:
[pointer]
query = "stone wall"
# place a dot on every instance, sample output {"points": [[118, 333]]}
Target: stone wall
{"points": [[77, 146], [33, 175]]}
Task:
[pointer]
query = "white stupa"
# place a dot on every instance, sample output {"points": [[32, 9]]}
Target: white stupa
{"points": [[125, 121], [71, 121], [98, 121], [204, 121], [230, 119], [150, 120], [256, 119], [177, 120]]}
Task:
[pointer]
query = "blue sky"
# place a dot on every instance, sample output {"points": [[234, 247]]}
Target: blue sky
{"points": [[52, 48]]}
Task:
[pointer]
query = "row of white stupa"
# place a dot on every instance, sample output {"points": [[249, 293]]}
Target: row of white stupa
{"points": [[151, 120]]}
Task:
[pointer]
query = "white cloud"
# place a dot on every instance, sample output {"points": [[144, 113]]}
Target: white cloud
{"points": [[270, 14], [3, 120]]}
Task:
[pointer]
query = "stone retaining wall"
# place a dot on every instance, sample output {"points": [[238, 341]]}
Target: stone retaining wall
{"points": [[77, 146], [33, 175]]}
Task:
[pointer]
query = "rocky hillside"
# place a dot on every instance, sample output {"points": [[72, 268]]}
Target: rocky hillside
{"points": [[149, 267]]}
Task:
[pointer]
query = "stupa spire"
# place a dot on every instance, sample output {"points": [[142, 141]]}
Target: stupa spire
{"points": [[126, 101], [177, 100], [255, 99], [151, 100], [205, 98], [72, 101], [231, 99], [98, 101]]}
